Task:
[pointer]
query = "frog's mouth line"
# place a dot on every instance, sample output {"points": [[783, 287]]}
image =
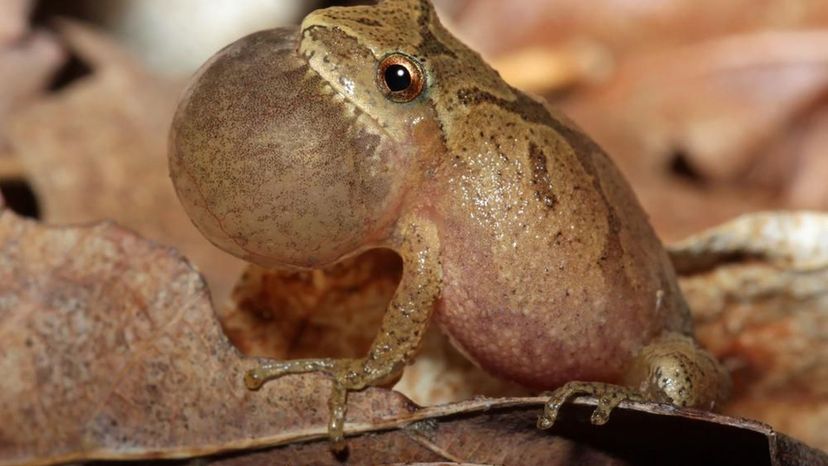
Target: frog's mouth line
{"points": [[336, 90]]}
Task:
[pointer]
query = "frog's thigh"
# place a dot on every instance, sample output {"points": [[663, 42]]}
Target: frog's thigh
{"points": [[674, 369]]}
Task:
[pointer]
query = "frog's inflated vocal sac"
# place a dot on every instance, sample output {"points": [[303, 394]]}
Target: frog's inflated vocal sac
{"points": [[373, 127]]}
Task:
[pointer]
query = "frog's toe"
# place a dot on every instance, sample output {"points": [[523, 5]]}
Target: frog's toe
{"points": [[608, 402], [550, 413], [338, 405], [254, 379], [609, 397], [601, 414], [546, 421], [556, 399]]}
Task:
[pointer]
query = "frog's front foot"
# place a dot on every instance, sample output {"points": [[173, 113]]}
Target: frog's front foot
{"points": [[609, 396], [400, 334], [340, 370], [255, 378]]}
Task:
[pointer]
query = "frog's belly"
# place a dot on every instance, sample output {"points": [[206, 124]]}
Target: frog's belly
{"points": [[542, 320]]}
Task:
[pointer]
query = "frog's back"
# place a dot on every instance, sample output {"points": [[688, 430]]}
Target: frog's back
{"points": [[552, 270]]}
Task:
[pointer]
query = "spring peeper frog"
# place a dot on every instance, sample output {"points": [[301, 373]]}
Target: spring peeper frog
{"points": [[373, 127]]}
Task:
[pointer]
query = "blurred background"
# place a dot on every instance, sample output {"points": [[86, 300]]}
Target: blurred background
{"points": [[710, 108]]}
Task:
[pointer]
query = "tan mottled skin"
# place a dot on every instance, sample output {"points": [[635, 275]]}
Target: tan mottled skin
{"points": [[512, 224]]}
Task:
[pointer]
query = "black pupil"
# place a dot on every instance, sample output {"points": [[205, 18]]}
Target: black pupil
{"points": [[397, 78]]}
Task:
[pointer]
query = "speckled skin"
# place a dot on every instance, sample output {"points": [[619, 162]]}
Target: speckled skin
{"points": [[512, 224]]}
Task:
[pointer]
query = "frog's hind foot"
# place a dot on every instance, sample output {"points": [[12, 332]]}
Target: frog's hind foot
{"points": [[609, 396], [675, 369]]}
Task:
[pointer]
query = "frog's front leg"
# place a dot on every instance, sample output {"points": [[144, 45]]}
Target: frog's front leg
{"points": [[671, 369], [401, 332]]}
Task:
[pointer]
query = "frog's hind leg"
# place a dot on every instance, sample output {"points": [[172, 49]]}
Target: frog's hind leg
{"points": [[403, 326], [671, 369], [674, 369]]}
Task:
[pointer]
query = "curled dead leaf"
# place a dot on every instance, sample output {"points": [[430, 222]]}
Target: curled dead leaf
{"points": [[758, 288]]}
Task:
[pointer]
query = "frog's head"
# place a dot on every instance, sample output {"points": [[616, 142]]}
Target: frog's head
{"points": [[300, 147], [395, 60]]}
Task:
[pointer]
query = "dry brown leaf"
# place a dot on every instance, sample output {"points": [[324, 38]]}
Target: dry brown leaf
{"points": [[719, 102], [741, 112], [622, 26], [28, 59], [502, 435], [111, 350], [678, 208], [550, 45], [808, 189], [544, 69], [758, 287], [27, 63], [97, 150], [13, 20]]}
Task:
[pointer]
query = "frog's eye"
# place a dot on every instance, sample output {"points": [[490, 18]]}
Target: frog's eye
{"points": [[400, 78]]}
